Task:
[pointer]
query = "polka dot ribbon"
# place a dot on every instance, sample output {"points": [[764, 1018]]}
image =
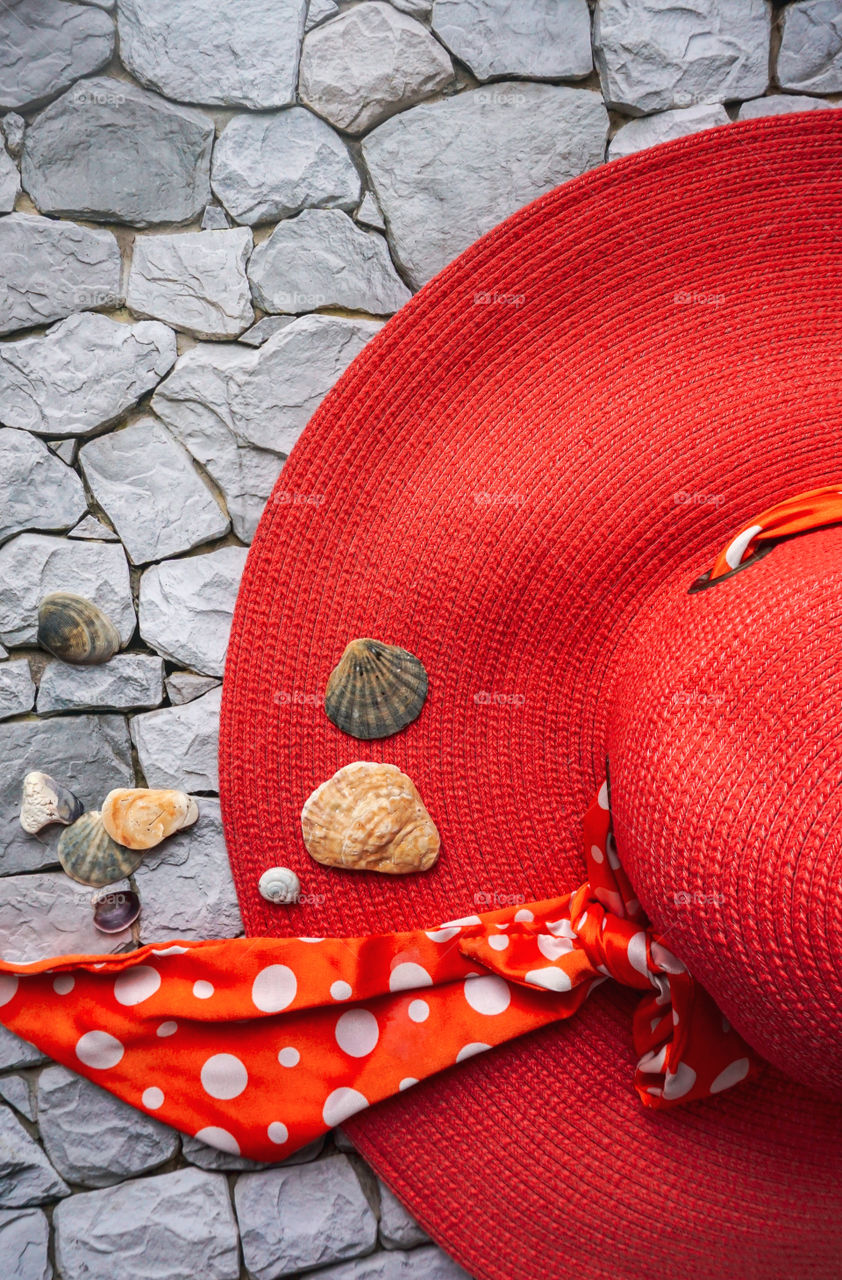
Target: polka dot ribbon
{"points": [[258, 1045], [808, 510]]}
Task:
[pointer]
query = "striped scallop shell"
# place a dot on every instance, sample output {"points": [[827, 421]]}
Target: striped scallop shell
{"points": [[75, 630], [88, 854], [375, 689]]}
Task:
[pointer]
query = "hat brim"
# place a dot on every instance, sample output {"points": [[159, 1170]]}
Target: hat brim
{"points": [[593, 396]]}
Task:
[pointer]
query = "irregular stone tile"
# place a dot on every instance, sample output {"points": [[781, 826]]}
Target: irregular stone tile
{"points": [[810, 56], [49, 914], [24, 1242], [64, 449], [9, 181], [293, 1219], [15, 1052], [92, 530], [319, 11], [215, 218], [233, 53], [174, 1224], [429, 1263], [45, 45], [178, 746], [195, 281], [540, 39], [111, 152], [129, 681], [778, 104], [272, 166], [651, 130], [92, 1137], [445, 172], [194, 404], [37, 490], [52, 268], [4, 653], [264, 330], [15, 1091], [272, 397], [652, 55], [184, 686], [369, 215], [33, 565], [26, 1175], [89, 754], [150, 491], [186, 888], [199, 1153], [186, 606], [416, 8], [17, 692], [46, 384], [13, 128], [368, 63], [321, 259], [398, 1229]]}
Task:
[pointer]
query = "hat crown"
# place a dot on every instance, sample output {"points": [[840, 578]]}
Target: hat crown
{"points": [[725, 744]]}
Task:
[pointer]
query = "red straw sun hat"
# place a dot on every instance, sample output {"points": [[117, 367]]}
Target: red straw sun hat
{"points": [[590, 477], [518, 481]]}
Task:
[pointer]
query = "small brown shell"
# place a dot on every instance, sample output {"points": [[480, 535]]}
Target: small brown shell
{"points": [[75, 630], [140, 818], [375, 689], [369, 817], [88, 854]]}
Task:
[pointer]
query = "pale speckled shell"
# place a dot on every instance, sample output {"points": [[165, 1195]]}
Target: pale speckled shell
{"points": [[88, 854], [43, 800], [76, 630], [375, 689], [280, 885], [369, 817], [141, 817]]}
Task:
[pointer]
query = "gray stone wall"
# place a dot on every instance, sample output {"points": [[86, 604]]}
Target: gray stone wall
{"points": [[206, 211]]}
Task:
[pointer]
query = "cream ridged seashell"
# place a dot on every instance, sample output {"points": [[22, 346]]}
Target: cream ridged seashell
{"points": [[43, 800], [75, 630], [88, 854], [279, 884], [369, 817], [141, 817], [375, 689]]}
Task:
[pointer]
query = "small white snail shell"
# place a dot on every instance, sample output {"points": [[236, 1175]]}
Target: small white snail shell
{"points": [[279, 884]]}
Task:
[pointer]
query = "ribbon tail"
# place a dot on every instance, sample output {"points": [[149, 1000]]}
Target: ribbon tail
{"points": [[258, 1046], [688, 1049]]}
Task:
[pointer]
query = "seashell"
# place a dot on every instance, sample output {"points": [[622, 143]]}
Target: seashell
{"points": [[114, 912], [279, 884], [43, 800], [140, 818], [369, 817], [75, 630], [88, 854], [375, 689]]}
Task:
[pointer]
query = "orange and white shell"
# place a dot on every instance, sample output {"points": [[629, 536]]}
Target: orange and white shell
{"points": [[369, 817], [140, 818]]}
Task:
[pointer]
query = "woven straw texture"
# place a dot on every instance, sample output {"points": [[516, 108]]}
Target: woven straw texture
{"points": [[725, 749], [497, 486]]}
